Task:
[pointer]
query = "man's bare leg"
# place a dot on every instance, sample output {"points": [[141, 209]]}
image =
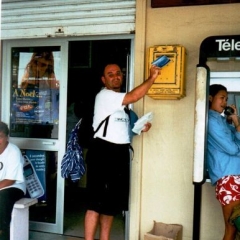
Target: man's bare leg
{"points": [[91, 223], [105, 226]]}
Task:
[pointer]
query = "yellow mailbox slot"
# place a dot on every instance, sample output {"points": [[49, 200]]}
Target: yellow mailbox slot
{"points": [[170, 84]]}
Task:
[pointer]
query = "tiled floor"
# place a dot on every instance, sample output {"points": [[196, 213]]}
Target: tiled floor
{"points": [[49, 236], [74, 231], [73, 224]]}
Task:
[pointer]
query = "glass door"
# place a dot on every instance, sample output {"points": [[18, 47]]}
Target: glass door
{"points": [[34, 90]]}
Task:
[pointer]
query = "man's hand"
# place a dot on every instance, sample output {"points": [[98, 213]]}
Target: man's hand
{"points": [[154, 72], [148, 125]]}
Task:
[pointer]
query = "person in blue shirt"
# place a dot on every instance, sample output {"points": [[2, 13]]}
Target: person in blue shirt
{"points": [[223, 154]]}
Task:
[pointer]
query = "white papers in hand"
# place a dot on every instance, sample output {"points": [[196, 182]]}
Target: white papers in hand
{"points": [[140, 124]]}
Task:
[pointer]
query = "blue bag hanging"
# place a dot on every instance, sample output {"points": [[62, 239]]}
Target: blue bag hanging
{"points": [[72, 165]]}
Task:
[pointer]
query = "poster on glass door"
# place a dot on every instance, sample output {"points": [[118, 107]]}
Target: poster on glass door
{"points": [[35, 106], [35, 94], [35, 174]]}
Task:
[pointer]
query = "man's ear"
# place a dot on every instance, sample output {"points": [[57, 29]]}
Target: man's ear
{"points": [[210, 98], [103, 79]]}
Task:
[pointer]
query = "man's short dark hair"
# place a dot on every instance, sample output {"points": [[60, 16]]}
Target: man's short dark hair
{"points": [[4, 128]]}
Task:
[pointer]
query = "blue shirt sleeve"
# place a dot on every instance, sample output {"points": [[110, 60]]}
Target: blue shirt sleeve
{"points": [[223, 136]]}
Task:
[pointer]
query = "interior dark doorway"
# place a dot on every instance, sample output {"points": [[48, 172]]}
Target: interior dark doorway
{"points": [[86, 62]]}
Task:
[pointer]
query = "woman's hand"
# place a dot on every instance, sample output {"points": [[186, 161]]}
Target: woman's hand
{"points": [[148, 125], [234, 116]]}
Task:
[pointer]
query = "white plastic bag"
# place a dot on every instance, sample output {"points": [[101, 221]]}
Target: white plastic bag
{"points": [[140, 124]]}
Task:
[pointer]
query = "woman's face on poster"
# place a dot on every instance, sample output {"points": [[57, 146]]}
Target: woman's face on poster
{"points": [[39, 67]]}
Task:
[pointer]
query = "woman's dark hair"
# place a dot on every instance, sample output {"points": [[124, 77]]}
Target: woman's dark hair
{"points": [[4, 128], [215, 88]]}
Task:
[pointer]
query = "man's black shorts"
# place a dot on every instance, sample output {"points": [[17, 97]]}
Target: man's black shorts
{"points": [[108, 174]]}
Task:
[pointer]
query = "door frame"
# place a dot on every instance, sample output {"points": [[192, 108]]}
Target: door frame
{"points": [[36, 144], [59, 144]]}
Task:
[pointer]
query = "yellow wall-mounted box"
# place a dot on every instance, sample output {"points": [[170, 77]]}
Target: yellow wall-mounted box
{"points": [[170, 84]]}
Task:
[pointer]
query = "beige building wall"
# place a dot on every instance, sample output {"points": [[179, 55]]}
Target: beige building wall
{"points": [[162, 167]]}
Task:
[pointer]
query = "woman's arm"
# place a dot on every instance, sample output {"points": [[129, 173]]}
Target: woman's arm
{"points": [[222, 138]]}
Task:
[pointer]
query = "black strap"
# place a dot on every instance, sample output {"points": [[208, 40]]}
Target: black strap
{"points": [[127, 111], [131, 148], [105, 127]]}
